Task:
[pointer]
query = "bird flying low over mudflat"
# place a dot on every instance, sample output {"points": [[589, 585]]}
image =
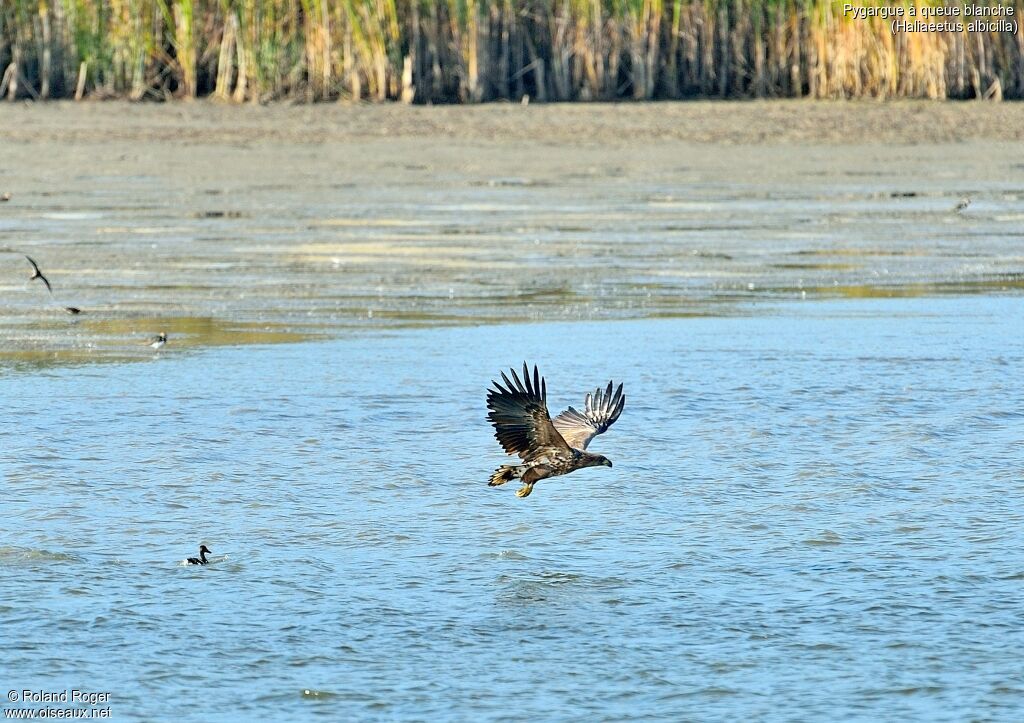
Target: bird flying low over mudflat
{"points": [[548, 448], [37, 274]]}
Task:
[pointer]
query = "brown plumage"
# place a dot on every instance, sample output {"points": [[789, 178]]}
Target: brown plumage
{"points": [[601, 409], [519, 413]]}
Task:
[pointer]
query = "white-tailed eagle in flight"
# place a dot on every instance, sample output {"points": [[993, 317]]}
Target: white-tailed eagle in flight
{"points": [[548, 447]]}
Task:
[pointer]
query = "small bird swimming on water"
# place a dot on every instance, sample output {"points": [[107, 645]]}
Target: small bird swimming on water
{"points": [[73, 310], [962, 206], [548, 448], [157, 341], [37, 274], [201, 560]]}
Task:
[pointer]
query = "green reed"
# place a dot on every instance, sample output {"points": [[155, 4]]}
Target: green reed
{"points": [[481, 50]]}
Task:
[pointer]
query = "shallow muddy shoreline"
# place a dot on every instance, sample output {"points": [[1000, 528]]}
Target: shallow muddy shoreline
{"points": [[768, 122], [253, 224]]}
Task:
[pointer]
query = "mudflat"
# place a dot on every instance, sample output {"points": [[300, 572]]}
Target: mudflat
{"points": [[618, 124], [244, 224]]}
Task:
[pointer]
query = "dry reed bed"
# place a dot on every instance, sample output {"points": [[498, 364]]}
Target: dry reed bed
{"points": [[481, 50]]}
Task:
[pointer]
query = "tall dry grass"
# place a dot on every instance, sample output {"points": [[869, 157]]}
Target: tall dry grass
{"points": [[480, 50]]}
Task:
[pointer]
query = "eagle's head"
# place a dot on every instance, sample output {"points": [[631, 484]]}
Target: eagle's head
{"points": [[599, 460]]}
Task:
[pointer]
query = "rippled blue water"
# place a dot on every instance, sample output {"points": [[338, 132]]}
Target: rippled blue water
{"points": [[814, 513]]}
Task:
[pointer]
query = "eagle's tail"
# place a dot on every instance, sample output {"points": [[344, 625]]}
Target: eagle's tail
{"points": [[506, 473]]}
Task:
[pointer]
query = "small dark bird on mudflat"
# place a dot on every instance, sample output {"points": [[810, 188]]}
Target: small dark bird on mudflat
{"points": [[962, 206], [548, 448], [157, 341], [73, 310], [201, 560], [37, 274]]}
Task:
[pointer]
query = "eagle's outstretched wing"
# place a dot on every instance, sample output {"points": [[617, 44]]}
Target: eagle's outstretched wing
{"points": [[519, 413], [602, 409]]}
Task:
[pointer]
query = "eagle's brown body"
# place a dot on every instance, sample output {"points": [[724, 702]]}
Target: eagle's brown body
{"points": [[548, 448]]}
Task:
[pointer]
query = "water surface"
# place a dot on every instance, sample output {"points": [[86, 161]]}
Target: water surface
{"points": [[815, 513]]}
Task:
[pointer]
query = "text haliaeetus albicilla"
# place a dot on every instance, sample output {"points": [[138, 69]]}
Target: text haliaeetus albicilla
{"points": [[548, 448]]}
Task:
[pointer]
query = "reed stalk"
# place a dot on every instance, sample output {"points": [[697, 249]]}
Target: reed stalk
{"points": [[480, 50]]}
